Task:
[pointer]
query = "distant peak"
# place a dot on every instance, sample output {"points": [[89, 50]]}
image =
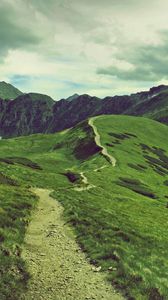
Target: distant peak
{"points": [[73, 97], [8, 91], [5, 83], [35, 97], [159, 88]]}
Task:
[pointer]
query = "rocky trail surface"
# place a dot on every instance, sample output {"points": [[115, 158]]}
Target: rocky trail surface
{"points": [[104, 151], [58, 268]]}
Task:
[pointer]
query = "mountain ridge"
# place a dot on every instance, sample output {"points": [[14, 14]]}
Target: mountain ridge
{"points": [[37, 113]]}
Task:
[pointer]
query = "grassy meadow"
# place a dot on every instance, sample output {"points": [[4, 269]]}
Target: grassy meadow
{"points": [[119, 215]]}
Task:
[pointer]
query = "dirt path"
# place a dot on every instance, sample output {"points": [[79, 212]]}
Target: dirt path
{"points": [[84, 178], [59, 269], [85, 184], [104, 151], [101, 168]]}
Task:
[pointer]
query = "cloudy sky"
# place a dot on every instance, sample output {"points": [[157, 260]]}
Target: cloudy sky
{"points": [[62, 47]]}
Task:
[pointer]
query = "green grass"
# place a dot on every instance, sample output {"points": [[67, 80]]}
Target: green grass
{"points": [[16, 204], [136, 186], [25, 162], [124, 226], [21, 161], [121, 223]]}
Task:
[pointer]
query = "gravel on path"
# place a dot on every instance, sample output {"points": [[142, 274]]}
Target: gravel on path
{"points": [[59, 270]]}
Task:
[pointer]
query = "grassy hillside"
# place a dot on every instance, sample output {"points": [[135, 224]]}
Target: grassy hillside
{"points": [[119, 213], [8, 91], [122, 222]]}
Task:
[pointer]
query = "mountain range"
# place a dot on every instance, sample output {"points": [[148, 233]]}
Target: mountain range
{"points": [[24, 114]]}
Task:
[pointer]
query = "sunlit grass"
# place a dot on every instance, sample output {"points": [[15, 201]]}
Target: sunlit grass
{"points": [[121, 222]]}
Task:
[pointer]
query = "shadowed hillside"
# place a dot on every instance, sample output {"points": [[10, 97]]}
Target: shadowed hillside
{"points": [[37, 113]]}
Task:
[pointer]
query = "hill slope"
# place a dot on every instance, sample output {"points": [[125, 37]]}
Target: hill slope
{"points": [[8, 91], [119, 212]]}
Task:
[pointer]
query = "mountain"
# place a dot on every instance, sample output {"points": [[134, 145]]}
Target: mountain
{"points": [[8, 91], [73, 97], [152, 104], [35, 113], [28, 113], [114, 192]]}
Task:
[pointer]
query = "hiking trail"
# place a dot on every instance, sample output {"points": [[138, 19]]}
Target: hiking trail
{"points": [[104, 151], [59, 270]]}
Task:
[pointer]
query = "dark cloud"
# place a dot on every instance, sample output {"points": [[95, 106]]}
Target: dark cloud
{"points": [[150, 63], [68, 40], [67, 12], [12, 34], [138, 74]]}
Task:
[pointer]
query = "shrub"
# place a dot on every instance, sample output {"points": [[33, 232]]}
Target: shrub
{"points": [[7, 180], [73, 177], [21, 161], [136, 186]]}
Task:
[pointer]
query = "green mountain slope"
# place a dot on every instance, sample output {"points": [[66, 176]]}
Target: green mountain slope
{"points": [[119, 211], [8, 91]]}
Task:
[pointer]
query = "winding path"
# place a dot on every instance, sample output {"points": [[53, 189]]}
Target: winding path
{"points": [[85, 184], [104, 151], [58, 268]]}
